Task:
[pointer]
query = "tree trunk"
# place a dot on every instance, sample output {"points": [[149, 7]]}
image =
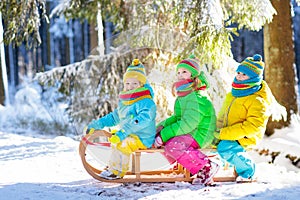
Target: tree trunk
{"points": [[87, 39], [93, 37], [2, 96], [3, 73], [279, 61]]}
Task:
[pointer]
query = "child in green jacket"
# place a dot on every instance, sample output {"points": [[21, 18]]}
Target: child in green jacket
{"points": [[192, 125]]}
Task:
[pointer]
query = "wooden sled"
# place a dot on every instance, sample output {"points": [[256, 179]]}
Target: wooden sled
{"points": [[177, 173]]}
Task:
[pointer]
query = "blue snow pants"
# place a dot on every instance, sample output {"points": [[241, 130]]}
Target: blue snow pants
{"points": [[235, 154]]}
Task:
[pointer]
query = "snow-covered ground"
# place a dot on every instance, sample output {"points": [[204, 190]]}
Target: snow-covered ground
{"points": [[35, 167]]}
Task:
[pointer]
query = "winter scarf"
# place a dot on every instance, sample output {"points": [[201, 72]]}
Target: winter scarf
{"points": [[184, 87], [246, 87], [132, 96]]}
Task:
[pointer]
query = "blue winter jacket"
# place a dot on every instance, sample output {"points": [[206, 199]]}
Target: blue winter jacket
{"points": [[137, 118]]}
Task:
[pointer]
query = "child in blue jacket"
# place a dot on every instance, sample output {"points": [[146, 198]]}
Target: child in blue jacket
{"points": [[135, 115]]}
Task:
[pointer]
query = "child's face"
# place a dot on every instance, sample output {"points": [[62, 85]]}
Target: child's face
{"points": [[241, 76], [183, 74], [131, 84]]}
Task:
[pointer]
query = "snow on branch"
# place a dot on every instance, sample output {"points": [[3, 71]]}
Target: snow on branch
{"points": [[252, 15]]}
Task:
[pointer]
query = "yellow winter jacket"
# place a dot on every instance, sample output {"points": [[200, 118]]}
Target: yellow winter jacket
{"points": [[245, 118]]}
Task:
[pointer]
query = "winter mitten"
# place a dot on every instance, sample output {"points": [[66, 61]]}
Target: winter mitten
{"points": [[217, 134], [216, 139], [90, 131], [158, 142], [113, 132], [114, 139]]}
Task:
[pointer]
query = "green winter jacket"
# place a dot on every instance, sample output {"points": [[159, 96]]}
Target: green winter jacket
{"points": [[194, 114]]}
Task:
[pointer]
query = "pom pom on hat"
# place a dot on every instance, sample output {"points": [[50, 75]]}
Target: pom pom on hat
{"points": [[252, 66], [257, 57], [191, 64], [135, 62], [136, 70]]}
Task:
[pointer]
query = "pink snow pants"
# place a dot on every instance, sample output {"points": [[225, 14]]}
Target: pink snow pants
{"points": [[185, 150]]}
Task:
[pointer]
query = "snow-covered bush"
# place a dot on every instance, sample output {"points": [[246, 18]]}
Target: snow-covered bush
{"points": [[36, 111]]}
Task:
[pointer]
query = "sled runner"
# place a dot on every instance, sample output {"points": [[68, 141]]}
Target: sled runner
{"points": [[94, 150]]}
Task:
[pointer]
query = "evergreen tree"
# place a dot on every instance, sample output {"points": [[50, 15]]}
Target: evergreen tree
{"points": [[22, 21], [209, 24]]}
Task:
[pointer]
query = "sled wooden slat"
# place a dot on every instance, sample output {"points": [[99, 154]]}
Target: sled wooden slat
{"points": [[135, 174], [136, 161]]}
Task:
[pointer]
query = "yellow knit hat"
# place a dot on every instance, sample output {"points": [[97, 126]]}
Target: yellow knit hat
{"points": [[136, 70]]}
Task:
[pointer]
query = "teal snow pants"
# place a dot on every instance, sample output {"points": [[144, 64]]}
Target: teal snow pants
{"points": [[235, 154]]}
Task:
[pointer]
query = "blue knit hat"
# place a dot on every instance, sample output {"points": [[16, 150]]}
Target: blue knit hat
{"points": [[252, 66]]}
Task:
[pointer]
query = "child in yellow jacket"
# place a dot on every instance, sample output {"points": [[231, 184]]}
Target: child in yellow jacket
{"points": [[243, 117]]}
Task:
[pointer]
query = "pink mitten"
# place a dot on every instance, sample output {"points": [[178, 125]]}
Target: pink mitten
{"points": [[158, 142]]}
